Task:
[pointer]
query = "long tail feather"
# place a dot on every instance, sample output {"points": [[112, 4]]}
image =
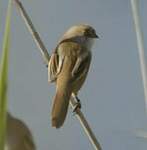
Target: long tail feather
{"points": [[60, 106]]}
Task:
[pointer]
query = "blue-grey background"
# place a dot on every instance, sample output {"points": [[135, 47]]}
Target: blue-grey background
{"points": [[112, 97]]}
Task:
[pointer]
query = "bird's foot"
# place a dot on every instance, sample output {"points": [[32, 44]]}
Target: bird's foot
{"points": [[77, 105]]}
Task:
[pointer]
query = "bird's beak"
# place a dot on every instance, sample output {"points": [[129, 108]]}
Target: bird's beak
{"points": [[96, 36], [92, 35]]}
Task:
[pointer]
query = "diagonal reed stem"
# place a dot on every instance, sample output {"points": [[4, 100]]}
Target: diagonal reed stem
{"points": [[33, 31], [46, 58]]}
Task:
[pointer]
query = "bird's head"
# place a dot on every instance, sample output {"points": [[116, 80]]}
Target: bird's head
{"points": [[82, 30]]}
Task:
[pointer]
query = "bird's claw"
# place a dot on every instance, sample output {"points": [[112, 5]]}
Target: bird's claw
{"points": [[77, 106]]}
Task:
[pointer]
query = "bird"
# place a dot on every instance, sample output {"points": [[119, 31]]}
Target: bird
{"points": [[18, 135], [68, 67]]}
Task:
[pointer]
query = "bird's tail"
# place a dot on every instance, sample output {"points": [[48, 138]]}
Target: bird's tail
{"points": [[60, 106]]}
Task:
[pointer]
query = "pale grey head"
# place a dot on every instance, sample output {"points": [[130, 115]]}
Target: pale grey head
{"points": [[83, 34], [81, 30]]}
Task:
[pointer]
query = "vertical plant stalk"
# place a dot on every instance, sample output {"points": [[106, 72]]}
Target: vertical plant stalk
{"points": [[46, 57], [140, 44], [4, 78]]}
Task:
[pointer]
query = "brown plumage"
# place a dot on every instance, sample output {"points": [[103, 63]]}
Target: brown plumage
{"points": [[68, 67]]}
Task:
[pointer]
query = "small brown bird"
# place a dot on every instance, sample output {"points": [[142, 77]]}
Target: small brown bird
{"points": [[18, 135], [68, 68]]}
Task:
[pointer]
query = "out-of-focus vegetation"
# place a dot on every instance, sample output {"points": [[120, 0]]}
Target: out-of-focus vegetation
{"points": [[4, 77]]}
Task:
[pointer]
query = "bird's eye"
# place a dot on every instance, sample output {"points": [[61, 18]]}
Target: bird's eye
{"points": [[92, 31], [87, 32]]}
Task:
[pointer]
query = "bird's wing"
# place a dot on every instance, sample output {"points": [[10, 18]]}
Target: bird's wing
{"points": [[81, 66], [53, 67], [56, 60], [78, 59]]}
